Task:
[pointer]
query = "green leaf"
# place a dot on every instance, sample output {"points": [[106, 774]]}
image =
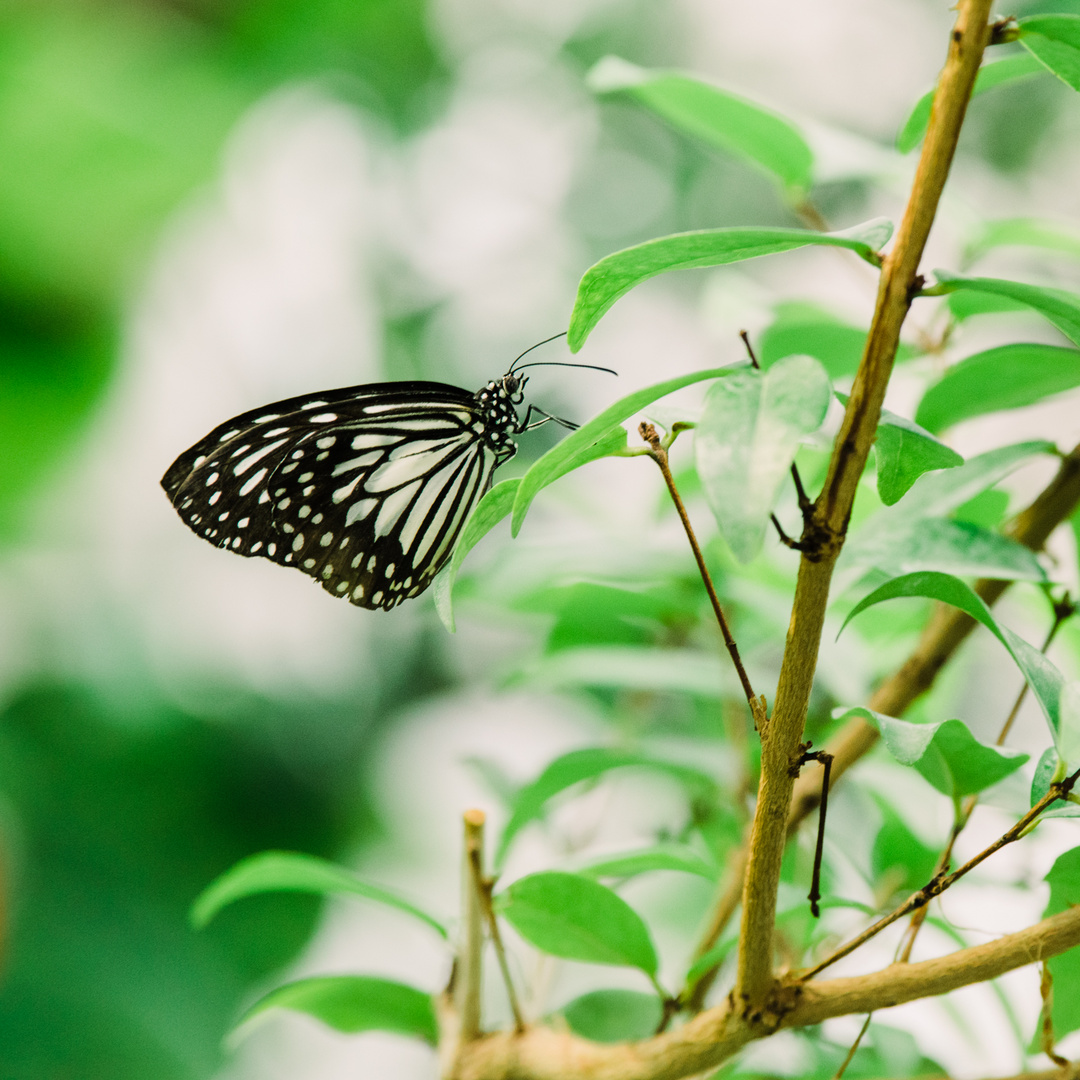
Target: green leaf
{"points": [[942, 492], [998, 73], [353, 1003], [1042, 676], [578, 766], [1025, 232], [916, 535], [601, 613], [1008, 377], [808, 330], [1059, 307], [291, 871], [714, 957], [578, 919], [966, 305], [953, 547], [899, 857], [945, 754], [746, 441], [614, 275], [631, 667], [576, 446], [676, 857], [611, 1016], [715, 116], [1054, 40], [1049, 771], [1064, 879], [497, 504], [904, 451]]}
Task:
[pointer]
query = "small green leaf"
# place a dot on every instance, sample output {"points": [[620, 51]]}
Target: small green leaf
{"points": [[353, 1003], [899, 856], [904, 451], [967, 305], [1068, 741], [588, 764], [602, 613], [1049, 771], [577, 445], [1024, 232], [615, 275], [715, 116], [945, 754], [631, 667], [1008, 377], [674, 857], [291, 871], [942, 492], [611, 1016], [746, 441], [497, 504], [1058, 306], [1042, 676], [998, 73], [1064, 879], [1054, 40], [953, 547], [714, 957], [578, 919], [808, 330]]}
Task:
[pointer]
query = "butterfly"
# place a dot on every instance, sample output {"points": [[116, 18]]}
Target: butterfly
{"points": [[366, 488]]}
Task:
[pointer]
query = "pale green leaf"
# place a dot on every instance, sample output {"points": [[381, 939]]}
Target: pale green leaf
{"points": [[615, 275], [715, 116], [746, 441], [351, 1004], [291, 871]]}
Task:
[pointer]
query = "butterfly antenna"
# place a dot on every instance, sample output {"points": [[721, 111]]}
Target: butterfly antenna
{"points": [[562, 363], [562, 333], [554, 363]]}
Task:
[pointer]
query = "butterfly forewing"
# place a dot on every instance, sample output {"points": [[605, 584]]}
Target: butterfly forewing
{"points": [[365, 489]]}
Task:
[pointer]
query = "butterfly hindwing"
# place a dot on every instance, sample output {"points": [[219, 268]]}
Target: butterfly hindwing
{"points": [[365, 488]]}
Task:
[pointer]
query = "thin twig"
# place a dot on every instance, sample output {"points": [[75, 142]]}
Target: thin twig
{"points": [[1046, 1033], [1063, 609], [784, 538], [940, 639], [659, 455], [937, 885], [482, 886], [854, 1048], [470, 960], [825, 760]]}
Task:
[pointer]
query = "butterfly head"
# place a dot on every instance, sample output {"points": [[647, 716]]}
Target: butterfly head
{"points": [[513, 386]]}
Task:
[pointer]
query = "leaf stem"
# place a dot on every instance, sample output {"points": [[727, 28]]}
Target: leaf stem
{"points": [[659, 455]]}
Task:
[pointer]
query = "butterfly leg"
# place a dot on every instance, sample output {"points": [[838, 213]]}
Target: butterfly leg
{"points": [[527, 426]]}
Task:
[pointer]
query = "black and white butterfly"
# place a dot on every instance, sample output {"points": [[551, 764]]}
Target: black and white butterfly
{"points": [[366, 488]]}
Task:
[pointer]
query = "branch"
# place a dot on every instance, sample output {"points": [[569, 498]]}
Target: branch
{"points": [[942, 636], [470, 959], [714, 1036], [940, 639], [825, 530]]}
